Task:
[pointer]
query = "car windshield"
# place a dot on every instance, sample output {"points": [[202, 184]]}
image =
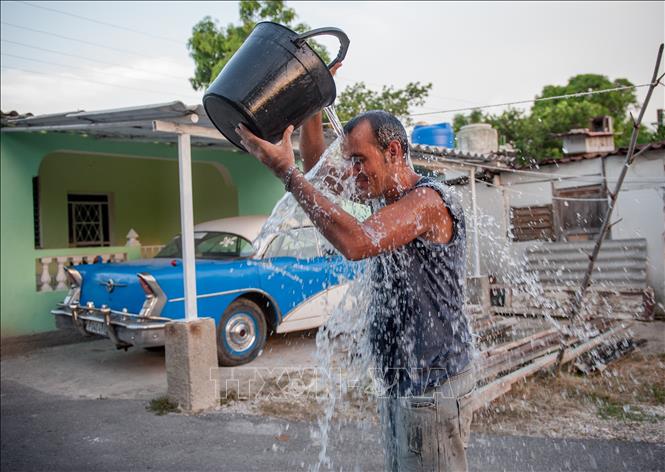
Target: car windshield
{"points": [[210, 245]]}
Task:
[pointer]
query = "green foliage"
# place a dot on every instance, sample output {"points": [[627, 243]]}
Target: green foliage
{"points": [[357, 98], [532, 134], [161, 406], [212, 45]]}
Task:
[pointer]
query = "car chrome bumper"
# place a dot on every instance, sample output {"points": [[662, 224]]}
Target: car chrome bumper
{"points": [[123, 329]]}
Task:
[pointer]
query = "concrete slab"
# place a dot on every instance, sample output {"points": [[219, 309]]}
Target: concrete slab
{"points": [[96, 369]]}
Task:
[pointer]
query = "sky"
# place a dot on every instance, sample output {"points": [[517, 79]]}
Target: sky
{"points": [[66, 56]]}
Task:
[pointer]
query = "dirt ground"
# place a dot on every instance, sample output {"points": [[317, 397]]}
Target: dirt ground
{"points": [[625, 401]]}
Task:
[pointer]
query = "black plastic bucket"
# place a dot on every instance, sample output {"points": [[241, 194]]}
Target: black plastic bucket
{"points": [[274, 80]]}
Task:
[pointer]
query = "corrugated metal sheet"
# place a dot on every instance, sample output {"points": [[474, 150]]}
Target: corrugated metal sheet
{"points": [[504, 159], [581, 157], [133, 123], [621, 263]]}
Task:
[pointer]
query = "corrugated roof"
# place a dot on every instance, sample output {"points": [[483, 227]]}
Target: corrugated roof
{"points": [[581, 157], [423, 150], [429, 154], [583, 132], [133, 123], [121, 123]]}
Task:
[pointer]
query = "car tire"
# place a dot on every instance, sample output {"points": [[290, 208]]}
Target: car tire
{"points": [[241, 333]]}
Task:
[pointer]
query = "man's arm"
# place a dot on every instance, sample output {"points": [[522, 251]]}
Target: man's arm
{"points": [[393, 226], [312, 142]]}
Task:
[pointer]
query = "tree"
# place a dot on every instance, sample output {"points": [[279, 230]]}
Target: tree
{"points": [[532, 134], [357, 98], [211, 46]]}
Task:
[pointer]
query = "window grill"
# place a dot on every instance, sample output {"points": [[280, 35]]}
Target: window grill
{"points": [[88, 217]]}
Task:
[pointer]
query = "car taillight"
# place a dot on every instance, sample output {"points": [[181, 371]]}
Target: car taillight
{"points": [[73, 276], [145, 286]]}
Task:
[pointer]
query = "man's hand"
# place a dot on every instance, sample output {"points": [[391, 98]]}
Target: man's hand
{"points": [[278, 157]]}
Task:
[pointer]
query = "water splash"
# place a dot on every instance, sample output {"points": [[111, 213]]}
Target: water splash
{"points": [[343, 349], [334, 120]]}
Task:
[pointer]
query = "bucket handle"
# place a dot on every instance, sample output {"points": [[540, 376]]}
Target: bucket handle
{"points": [[338, 33]]}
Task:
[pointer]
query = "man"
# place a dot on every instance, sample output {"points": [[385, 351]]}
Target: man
{"points": [[419, 334]]}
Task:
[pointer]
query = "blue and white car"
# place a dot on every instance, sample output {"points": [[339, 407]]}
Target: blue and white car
{"points": [[290, 282]]}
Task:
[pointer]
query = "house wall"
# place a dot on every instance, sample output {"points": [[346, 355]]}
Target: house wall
{"points": [[641, 206], [25, 311], [141, 195]]}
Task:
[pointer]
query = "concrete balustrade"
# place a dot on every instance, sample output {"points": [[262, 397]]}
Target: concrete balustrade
{"points": [[50, 263], [51, 274], [148, 252]]}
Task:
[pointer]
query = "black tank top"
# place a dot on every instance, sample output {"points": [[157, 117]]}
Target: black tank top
{"points": [[418, 330]]}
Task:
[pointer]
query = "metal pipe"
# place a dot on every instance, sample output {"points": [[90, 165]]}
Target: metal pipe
{"points": [[187, 225]]}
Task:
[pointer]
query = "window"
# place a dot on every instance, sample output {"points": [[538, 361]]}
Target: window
{"points": [[210, 245], [531, 223], [580, 219], [300, 243], [88, 217]]}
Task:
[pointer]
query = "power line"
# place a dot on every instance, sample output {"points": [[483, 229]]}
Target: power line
{"points": [[112, 25], [59, 64], [88, 80], [533, 100], [522, 192], [93, 60], [77, 40]]}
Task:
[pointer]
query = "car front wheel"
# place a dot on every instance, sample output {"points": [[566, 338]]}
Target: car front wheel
{"points": [[241, 333]]}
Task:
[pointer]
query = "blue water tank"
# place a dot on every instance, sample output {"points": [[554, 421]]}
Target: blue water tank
{"points": [[439, 134]]}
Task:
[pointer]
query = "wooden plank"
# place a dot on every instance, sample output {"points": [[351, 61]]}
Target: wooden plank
{"points": [[519, 342], [492, 391]]}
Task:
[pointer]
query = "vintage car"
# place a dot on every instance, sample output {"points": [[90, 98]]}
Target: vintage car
{"points": [[289, 282]]}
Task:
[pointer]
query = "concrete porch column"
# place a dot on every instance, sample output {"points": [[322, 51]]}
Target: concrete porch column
{"points": [[191, 357]]}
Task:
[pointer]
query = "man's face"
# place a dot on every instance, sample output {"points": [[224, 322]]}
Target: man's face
{"points": [[371, 170]]}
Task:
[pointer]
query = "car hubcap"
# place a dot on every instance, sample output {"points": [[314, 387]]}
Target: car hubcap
{"points": [[240, 332]]}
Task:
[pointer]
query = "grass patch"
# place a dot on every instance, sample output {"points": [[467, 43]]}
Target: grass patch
{"points": [[608, 409], [162, 405], [658, 394], [227, 397]]}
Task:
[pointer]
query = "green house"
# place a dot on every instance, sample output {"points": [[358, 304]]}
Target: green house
{"points": [[105, 183]]}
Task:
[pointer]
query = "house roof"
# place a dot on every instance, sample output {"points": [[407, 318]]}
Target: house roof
{"points": [[433, 157], [595, 155], [583, 132], [134, 123]]}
